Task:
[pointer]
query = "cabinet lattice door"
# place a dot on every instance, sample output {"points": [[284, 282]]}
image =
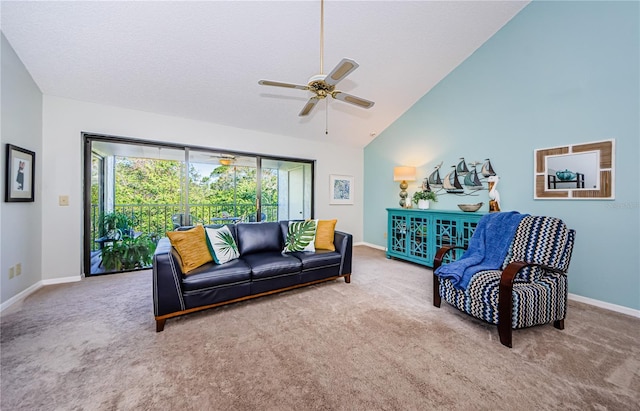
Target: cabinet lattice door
{"points": [[416, 235]]}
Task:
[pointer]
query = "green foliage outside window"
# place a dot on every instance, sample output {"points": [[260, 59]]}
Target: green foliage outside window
{"points": [[147, 192]]}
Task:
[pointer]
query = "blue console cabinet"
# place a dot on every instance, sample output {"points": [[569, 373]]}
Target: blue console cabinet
{"points": [[416, 235]]}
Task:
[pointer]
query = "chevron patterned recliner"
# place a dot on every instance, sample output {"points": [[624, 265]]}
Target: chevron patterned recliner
{"points": [[530, 289]]}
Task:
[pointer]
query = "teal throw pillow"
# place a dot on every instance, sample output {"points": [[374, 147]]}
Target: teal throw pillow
{"points": [[301, 236], [222, 245]]}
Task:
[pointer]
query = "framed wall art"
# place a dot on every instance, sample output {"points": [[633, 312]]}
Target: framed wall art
{"points": [[19, 180], [340, 189], [575, 172]]}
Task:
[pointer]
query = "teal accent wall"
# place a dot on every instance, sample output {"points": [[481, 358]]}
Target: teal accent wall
{"points": [[558, 73]]}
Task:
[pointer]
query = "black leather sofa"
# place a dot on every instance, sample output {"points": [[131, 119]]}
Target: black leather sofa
{"points": [[262, 269]]}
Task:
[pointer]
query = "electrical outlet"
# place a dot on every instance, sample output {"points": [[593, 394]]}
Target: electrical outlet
{"points": [[18, 269], [11, 272], [63, 200]]}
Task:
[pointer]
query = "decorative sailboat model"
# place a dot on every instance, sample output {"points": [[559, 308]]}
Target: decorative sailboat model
{"points": [[434, 180], [451, 184], [461, 168], [471, 180], [487, 170]]}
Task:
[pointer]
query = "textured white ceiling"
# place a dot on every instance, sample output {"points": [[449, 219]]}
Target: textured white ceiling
{"points": [[202, 60]]}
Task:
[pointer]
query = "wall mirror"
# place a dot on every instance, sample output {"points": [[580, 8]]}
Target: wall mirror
{"points": [[579, 171]]}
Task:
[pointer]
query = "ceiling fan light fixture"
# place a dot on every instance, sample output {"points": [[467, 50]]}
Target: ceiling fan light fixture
{"points": [[226, 161]]}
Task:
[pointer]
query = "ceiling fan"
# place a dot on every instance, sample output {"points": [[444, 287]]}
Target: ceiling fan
{"points": [[224, 159], [323, 85]]}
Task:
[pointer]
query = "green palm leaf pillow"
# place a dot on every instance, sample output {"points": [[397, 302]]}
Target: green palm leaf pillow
{"points": [[222, 245], [301, 236]]}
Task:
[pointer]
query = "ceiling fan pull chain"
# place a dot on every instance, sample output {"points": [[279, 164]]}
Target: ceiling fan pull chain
{"points": [[326, 117]]}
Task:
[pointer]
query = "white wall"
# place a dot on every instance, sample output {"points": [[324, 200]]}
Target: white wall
{"points": [[20, 223], [64, 120]]}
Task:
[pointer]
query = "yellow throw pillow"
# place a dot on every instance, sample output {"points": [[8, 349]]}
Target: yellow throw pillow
{"points": [[192, 247], [324, 235]]}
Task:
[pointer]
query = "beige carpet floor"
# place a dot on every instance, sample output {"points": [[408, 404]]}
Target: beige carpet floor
{"points": [[375, 344]]}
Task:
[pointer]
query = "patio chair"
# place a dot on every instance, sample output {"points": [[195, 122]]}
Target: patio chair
{"points": [[181, 219], [252, 217]]}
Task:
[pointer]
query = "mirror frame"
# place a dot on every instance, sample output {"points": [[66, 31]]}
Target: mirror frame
{"points": [[606, 149]]}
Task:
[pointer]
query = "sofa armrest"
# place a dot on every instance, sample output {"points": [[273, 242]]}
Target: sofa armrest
{"points": [[167, 280], [344, 245]]}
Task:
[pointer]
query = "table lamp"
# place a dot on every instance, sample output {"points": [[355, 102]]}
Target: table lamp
{"points": [[404, 174]]}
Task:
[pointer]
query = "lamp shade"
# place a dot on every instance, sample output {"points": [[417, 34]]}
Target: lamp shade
{"points": [[404, 173]]}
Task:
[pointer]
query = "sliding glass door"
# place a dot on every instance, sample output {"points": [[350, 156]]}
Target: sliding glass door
{"points": [[287, 188], [135, 191]]}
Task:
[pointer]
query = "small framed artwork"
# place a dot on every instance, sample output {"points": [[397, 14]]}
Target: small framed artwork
{"points": [[575, 171], [340, 189], [21, 167]]}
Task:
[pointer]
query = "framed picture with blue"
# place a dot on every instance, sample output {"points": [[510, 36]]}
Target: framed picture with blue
{"points": [[19, 176], [340, 189]]}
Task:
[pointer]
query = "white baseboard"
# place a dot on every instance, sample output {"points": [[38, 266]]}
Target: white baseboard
{"points": [[378, 247], [602, 304], [32, 289], [605, 305], [62, 280], [20, 296]]}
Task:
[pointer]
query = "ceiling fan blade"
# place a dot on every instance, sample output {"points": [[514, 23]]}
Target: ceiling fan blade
{"points": [[341, 71], [309, 106], [348, 98], [280, 84]]}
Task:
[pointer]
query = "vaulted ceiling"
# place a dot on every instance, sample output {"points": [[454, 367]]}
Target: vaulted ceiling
{"points": [[202, 60]]}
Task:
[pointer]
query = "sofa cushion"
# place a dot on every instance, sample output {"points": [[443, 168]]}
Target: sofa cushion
{"points": [[213, 275], [320, 258], [324, 235], [301, 236], [272, 264], [192, 247], [223, 245], [258, 237]]}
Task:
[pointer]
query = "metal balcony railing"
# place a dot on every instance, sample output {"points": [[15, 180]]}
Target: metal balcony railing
{"points": [[156, 219]]}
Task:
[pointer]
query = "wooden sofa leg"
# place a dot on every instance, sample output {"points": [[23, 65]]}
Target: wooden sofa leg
{"points": [[347, 278], [160, 325], [559, 324]]}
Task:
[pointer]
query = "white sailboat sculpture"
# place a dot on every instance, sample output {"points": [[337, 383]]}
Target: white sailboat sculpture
{"points": [[451, 183], [487, 170]]}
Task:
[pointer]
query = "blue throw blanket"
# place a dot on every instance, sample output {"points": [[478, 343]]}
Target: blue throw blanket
{"points": [[487, 249]]}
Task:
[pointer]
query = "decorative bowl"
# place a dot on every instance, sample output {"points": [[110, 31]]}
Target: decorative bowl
{"points": [[470, 207], [565, 175]]}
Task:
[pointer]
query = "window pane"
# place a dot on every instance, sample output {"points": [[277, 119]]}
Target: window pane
{"points": [[222, 187]]}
